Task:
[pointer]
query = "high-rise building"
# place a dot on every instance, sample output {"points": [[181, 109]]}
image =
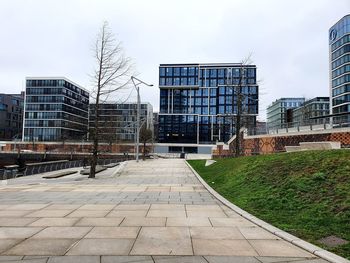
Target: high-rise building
{"points": [[339, 60], [312, 112], [198, 102], [11, 116], [56, 109], [117, 121], [279, 113]]}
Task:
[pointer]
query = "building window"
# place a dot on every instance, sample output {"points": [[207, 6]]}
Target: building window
{"points": [[176, 72], [169, 72], [191, 71], [213, 73], [184, 71], [169, 81], [190, 81]]}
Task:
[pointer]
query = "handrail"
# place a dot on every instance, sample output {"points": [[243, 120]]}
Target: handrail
{"points": [[37, 168]]}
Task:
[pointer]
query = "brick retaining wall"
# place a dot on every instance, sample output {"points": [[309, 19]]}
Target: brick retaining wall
{"points": [[265, 144], [71, 147]]}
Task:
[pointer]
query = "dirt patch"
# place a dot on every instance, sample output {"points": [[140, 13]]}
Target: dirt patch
{"points": [[333, 241]]}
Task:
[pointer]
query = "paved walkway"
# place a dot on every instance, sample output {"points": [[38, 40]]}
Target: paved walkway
{"points": [[152, 211]]}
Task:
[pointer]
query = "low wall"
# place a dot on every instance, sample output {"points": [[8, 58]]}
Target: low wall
{"points": [[265, 144], [84, 147]]}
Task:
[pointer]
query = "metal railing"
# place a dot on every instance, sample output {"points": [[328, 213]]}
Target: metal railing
{"points": [[299, 127], [37, 168]]}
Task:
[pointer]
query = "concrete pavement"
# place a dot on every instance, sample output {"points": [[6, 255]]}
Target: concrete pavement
{"points": [[151, 211]]}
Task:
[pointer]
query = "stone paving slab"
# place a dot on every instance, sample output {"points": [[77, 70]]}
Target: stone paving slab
{"points": [[15, 221], [188, 221], [213, 233], [163, 241], [46, 247], [53, 221], [74, 259], [278, 248], [144, 221], [99, 221], [126, 259], [152, 211], [220, 247], [111, 246], [113, 232], [18, 232]]}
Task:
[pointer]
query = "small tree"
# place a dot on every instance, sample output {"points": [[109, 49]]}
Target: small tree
{"points": [[238, 92], [146, 135], [240, 99], [112, 74]]}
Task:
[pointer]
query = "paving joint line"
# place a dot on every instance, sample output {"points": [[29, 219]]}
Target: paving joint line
{"points": [[71, 246]]}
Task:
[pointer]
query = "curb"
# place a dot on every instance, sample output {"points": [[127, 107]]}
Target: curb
{"points": [[119, 169], [3, 182], [317, 251]]}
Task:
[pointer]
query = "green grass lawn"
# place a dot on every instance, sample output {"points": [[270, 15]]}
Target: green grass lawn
{"points": [[305, 193]]}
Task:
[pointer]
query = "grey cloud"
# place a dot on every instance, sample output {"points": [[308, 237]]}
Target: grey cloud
{"points": [[288, 39]]}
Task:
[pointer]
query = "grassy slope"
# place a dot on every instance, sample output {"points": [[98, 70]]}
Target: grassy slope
{"points": [[304, 193]]}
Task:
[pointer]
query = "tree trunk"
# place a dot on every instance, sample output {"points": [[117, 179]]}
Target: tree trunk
{"points": [[144, 150], [95, 145], [95, 148], [94, 159], [110, 75], [238, 127], [239, 112]]}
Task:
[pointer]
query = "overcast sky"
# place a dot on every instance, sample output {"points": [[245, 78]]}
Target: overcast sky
{"points": [[288, 40]]}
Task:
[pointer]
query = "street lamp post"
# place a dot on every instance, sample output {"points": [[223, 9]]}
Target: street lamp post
{"points": [[136, 83]]}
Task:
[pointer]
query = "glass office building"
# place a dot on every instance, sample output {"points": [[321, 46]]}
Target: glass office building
{"points": [[198, 102], [11, 116], [279, 112], [56, 109], [339, 57], [312, 112], [117, 121]]}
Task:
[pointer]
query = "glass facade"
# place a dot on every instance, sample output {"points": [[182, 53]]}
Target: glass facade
{"points": [[311, 112], [279, 112], [55, 110], [11, 116], [117, 122], [339, 48], [198, 102]]}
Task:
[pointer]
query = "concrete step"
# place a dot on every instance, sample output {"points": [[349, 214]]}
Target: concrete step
{"points": [[319, 145], [292, 149]]}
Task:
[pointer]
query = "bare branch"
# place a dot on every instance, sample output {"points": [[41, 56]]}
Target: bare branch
{"points": [[111, 75]]}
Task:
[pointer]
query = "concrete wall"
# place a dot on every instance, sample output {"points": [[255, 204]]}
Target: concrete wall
{"points": [[201, 148]]}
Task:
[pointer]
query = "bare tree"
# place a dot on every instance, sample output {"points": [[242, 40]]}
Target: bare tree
{"points": [[111, 75], [241, 97]]}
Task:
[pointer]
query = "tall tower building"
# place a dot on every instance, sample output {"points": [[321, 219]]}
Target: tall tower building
{"points": [[339, 60]]}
